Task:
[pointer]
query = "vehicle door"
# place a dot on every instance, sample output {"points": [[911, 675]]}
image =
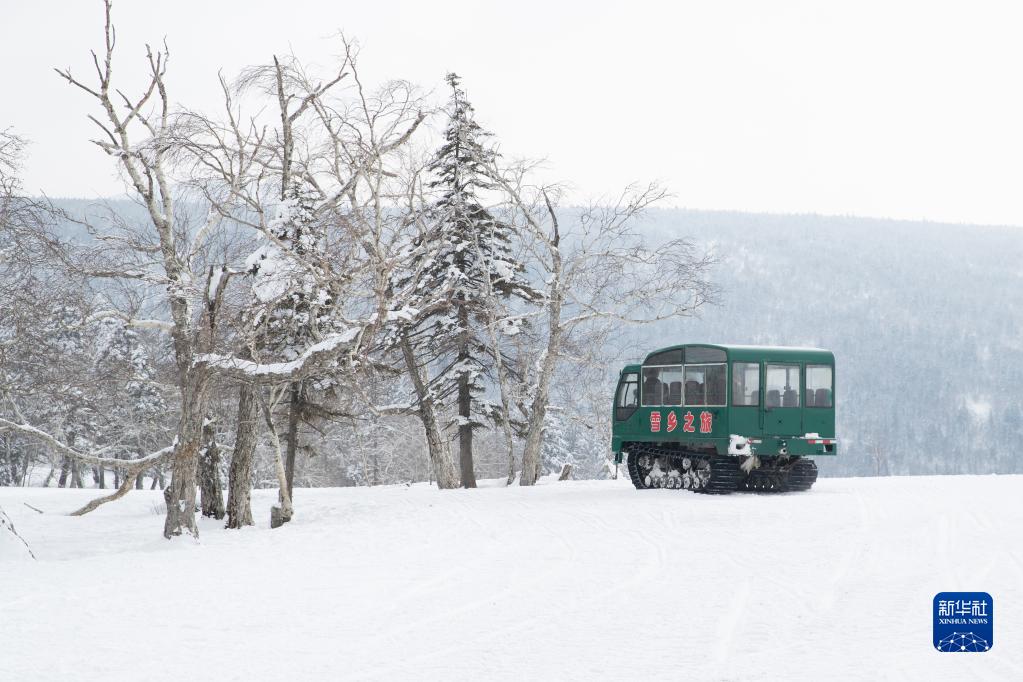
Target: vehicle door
{"points": [[783, 412], [745, 413]]}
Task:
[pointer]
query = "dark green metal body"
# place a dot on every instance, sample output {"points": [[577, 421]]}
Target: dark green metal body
{"points": [[801, 424]]}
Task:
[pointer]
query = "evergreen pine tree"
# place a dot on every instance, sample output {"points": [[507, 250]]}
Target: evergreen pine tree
{"points": [[462, 248], [297, 310]]}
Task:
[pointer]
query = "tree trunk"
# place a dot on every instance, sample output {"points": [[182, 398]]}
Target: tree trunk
{"points": [[440, 455], [210, 489], [464, 404], [294, 408], [282, 513], [541, 395], [239, 482], [465, 440], [65, 470], [67, 464], [374, 461], [180, 494], [121, 491], [538, 411], [101, 477]]}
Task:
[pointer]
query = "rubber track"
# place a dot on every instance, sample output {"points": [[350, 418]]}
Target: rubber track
{"points": [[725, 475], [803, 475], [796, 477]]}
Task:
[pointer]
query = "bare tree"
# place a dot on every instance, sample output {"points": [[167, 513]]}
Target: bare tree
{"points": [[315, 184], [12, 147], [173, 257], [145, 164], [598, 273], [48, 358]]}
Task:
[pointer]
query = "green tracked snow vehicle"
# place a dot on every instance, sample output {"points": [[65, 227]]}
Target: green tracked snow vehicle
{"points": [[716, 418]]}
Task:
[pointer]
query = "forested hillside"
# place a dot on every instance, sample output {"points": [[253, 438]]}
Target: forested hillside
{"points": [[926, 322]]}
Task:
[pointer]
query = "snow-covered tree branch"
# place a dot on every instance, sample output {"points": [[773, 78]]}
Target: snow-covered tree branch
{"points": [[597, 272]]}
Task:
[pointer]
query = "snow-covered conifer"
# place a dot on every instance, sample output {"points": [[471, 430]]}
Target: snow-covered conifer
{"points": [[555, 453], [463, 256]]}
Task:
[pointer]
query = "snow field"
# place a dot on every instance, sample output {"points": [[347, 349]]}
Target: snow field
{"points": [[566, 581]]}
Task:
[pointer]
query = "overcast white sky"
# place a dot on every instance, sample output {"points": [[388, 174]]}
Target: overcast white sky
{"points": [[898, 109]]}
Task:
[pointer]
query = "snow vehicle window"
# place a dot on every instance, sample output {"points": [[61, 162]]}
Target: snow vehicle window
{"points": [[699, 356], [668, 357], [705, 385], [818, 386], [628, 397], [651, 386], [662, 385], [671, 382], [782, 386], [716, 384], [628, 394], [745, 383]]}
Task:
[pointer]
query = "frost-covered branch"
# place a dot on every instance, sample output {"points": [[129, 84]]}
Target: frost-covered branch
{"points": [[152, 459], [159, 325], [312, 359]]}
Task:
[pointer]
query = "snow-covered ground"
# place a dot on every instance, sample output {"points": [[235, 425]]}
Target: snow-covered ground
{"points": [[574, 580]]}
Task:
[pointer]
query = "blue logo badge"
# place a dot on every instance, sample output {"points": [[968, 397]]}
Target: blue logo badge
{"points": [[963, 621]]}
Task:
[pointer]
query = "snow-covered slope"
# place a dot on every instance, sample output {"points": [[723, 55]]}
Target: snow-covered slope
{"points": [[589, 580]]}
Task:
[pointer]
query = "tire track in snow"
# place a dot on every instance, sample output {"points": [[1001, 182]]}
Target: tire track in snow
{"points": [[654, 570], [854, 555], [411, 666], [523, 581], [730, 621]]}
